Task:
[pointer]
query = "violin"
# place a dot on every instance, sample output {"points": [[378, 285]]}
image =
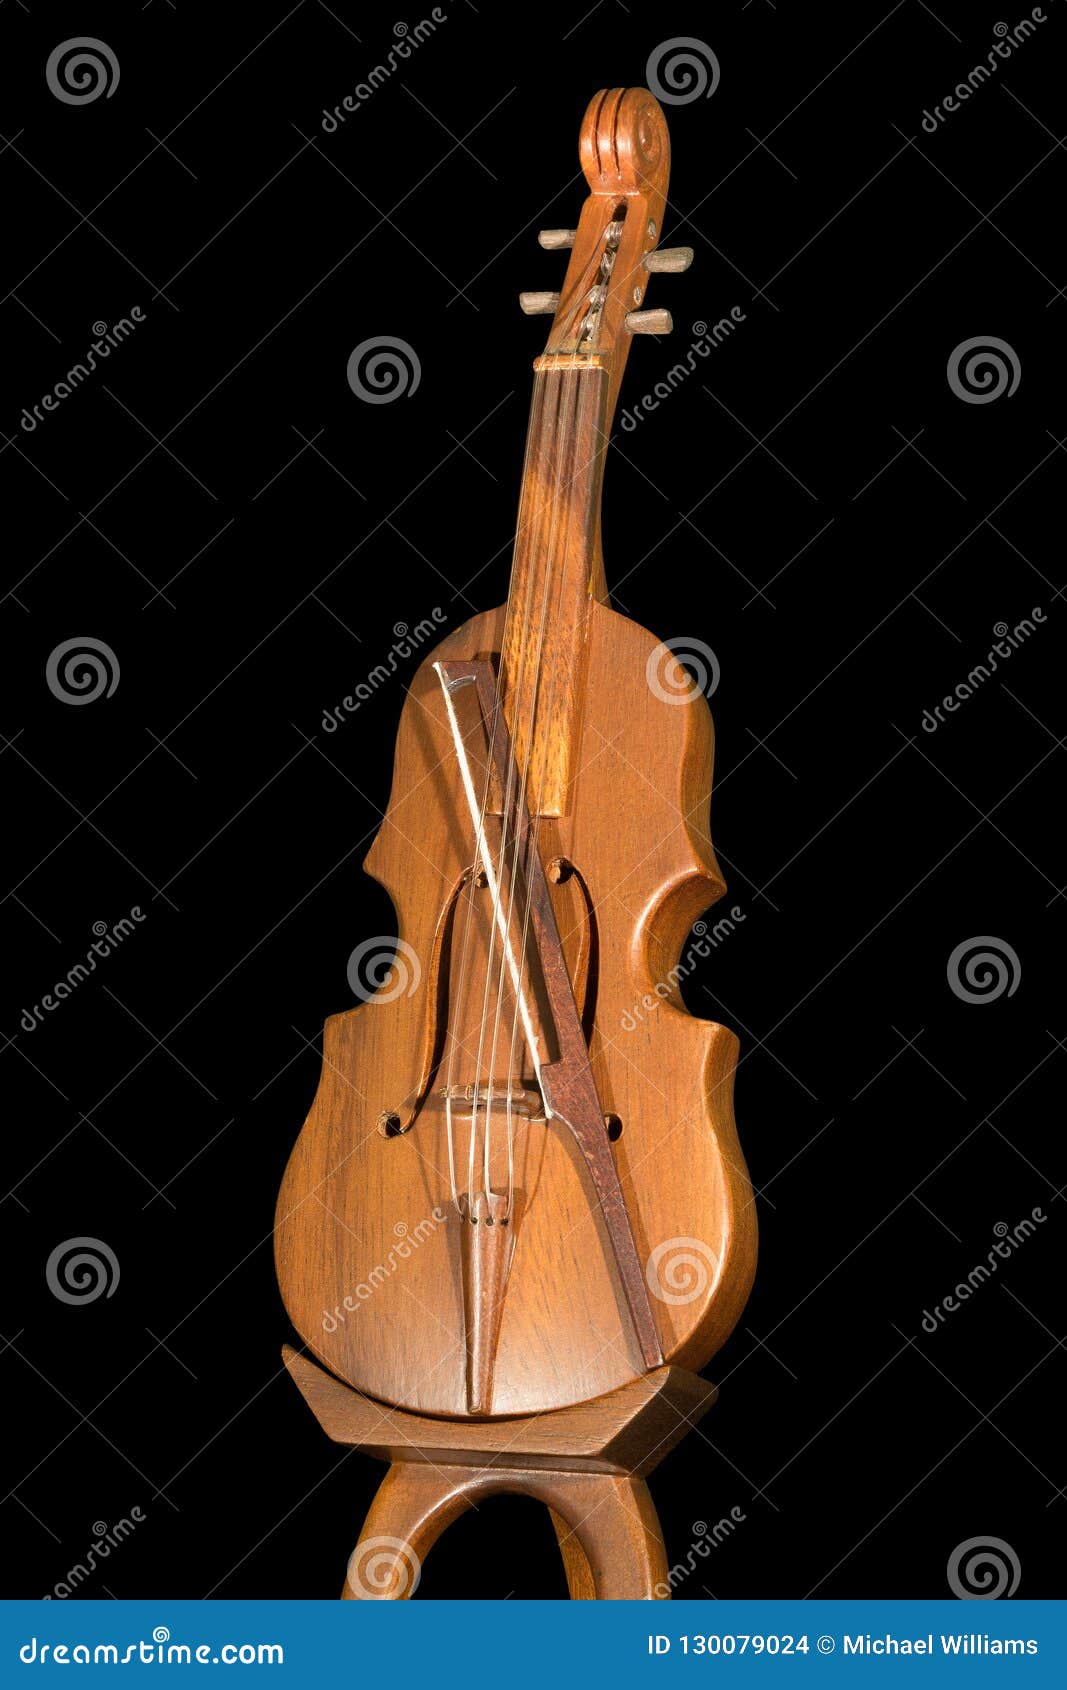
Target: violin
{"points": [[511, 1194]]}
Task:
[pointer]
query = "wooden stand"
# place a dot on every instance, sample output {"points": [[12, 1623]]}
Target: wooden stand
{"points": [[587, 1464]]}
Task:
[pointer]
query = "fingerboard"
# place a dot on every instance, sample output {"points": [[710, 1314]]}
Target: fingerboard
{"points": [[556, 573]]}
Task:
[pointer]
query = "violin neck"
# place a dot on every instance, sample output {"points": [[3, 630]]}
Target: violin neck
{"points": [[557, 572]]}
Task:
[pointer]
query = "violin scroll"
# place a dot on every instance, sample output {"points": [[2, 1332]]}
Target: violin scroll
{"points": [[624, 146], [625, 156]]}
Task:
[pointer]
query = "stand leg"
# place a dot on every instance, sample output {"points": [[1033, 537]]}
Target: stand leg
{"points": [[414, 1504], [606, 1524]]}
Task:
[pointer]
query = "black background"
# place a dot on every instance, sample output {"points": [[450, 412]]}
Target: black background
{"points": [[815, 503]]}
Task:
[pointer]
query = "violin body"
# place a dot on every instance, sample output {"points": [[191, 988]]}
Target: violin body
{"points": [[352, 1197], [452, 1238]]}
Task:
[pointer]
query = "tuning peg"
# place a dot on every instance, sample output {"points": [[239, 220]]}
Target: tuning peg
{"points": [[669, 259], [553, 239], [539, 304], [649, 322]]}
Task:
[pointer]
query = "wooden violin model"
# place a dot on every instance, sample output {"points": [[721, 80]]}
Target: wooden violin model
{"points": [[504, 1203]]}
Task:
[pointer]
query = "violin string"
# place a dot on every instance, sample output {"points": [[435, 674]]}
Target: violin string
{"points": [[512, 812], [534, 834], [532, 441], [536, 414], [535, 527], [512, 806], [565, 475], [561, 452]]}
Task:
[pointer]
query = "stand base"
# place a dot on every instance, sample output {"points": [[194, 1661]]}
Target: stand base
{"points": [[587, 1464]]}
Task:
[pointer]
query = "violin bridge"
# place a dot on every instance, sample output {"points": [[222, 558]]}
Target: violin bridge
{"points": [[513, 1100]]}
